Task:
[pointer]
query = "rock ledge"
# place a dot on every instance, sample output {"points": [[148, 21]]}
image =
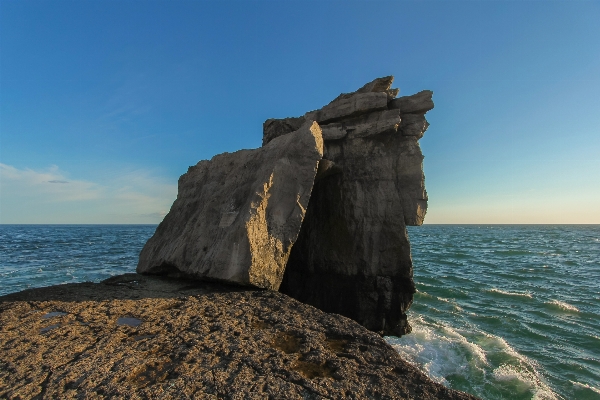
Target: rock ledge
{"points": [[135, 336]]}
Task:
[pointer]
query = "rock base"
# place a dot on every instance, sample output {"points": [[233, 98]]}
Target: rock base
{"points": [[135, 336]]}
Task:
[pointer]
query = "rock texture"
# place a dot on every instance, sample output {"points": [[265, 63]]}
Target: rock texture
{"points": [[237, 216], [145, 337], [352, 256]]}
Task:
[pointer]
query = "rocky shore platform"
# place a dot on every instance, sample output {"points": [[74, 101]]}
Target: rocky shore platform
{"points": [[134, 336]]}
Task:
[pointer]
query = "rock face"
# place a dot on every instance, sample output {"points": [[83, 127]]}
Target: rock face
{"points": [[237, 216], [254, 218], [136, 336], [352, 256]]}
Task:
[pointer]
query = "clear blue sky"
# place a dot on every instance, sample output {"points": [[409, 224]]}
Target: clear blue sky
{"points": [[104, 104]]}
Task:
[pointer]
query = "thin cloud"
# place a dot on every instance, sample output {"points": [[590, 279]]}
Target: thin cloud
{"points": [[49, 196]]}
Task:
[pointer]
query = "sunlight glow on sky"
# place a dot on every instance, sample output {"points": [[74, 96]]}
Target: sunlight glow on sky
{"points": [[103, 105]]}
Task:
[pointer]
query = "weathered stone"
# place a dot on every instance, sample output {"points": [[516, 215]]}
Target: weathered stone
{"points": [[355, 104], [414, 125], [365, 125], [377, 85], [375, 123], [237, 216], [148, 337], [352, 256], [418, 103], [392, 93], [334, 131], [273, 128]]}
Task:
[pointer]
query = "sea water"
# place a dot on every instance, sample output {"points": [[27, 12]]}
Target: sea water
{"points": [[507, 312], [503, 312], [42, 255]]}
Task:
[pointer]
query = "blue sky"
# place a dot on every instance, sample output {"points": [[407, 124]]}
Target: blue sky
{"points": [[104, 104]]}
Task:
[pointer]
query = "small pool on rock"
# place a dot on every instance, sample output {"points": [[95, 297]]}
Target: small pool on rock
{"points": [[129, 321], [54, 314], [49, 328]]}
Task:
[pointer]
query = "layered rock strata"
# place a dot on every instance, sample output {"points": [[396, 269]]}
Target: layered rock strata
{"points": [[136, 337], [237, 216], [352, 256]]}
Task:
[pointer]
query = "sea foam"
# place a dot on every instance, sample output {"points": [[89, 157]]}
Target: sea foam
{"points": [[471, 360], [563, 306], [506, 293]]}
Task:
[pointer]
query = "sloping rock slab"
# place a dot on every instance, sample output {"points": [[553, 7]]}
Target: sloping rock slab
{"points": [[237, 216], [136, 336]]}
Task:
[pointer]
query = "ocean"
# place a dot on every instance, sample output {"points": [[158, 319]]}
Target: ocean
{"points": [[501, 311]]}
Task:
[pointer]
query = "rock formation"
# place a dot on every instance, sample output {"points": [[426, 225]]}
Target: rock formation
{"points": [[352, 256], [254, 217], [134, 337], [237, 216]]}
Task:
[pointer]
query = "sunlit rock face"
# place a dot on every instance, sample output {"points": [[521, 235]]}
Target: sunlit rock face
{"points": [[352, 256], [237, 216]]}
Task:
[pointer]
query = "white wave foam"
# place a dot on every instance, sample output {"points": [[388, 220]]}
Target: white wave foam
{"points": [[438, 351], [523, 380], [585, 386], [563, 306], [482, 359], [506, 293]]}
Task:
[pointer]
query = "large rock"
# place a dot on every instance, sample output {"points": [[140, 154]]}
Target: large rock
{"points": [[237, 216], [352, 256], [249, 217]]}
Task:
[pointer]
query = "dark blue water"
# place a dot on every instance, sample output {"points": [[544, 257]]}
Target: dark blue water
{"points": [[43, 255], [503, 312]]}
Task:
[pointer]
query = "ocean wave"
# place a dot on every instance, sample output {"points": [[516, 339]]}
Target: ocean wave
{"points": [[563, 306], [585, 386], [486, 362], [523, 380], [506, 293]]}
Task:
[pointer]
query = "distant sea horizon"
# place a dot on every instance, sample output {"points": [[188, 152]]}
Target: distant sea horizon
{"points": [[503, 311]]}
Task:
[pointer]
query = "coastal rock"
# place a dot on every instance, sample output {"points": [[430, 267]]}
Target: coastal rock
{"points": [[237, 216], [254, 217], [352, 256], [418, 103], [135, 336], [414, 125]]}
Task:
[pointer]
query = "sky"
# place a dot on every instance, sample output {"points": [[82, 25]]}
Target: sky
{"points": [[104, 104]]}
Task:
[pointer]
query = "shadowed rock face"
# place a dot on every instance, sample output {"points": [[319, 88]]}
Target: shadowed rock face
{"points": [[352, 256], [237, 216]]}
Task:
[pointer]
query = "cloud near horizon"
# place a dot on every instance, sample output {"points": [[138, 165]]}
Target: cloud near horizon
{"points": [[50, 196]]}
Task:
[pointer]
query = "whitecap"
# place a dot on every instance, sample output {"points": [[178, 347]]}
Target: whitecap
{"points": [[586, 386], [522, 380], [563, 306], [506, 293]]}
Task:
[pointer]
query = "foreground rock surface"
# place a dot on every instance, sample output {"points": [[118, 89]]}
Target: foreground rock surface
{"points": [[136, 336], [237, 216]]}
